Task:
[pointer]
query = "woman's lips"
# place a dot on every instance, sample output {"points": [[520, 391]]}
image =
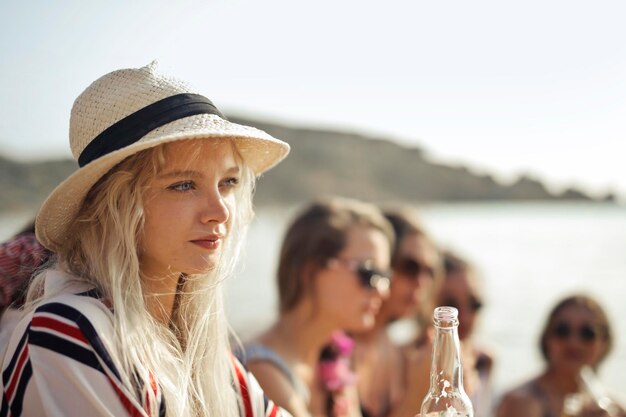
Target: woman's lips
{"points": [[210, 243], [574, 355]]}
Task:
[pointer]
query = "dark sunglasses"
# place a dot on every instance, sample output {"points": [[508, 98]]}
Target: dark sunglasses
{"points": [[413, 268], [586, 332], [474, 303], [369, 277]]}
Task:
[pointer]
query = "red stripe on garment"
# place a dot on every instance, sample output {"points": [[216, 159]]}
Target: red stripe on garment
{"points": [[147, 407], [133, 411], [243, 385], [17, 372], [153, 383], [59, 326], [273, 410], [76, 334]]}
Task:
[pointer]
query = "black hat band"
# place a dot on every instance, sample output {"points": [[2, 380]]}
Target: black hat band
{"points": [[138, 124]]}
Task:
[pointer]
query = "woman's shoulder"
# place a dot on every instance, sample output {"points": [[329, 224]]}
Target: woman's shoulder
{"points": [[85, 309], [63, 321], [275, 376], [74, 300], [266, 360], [61, 355], [257, 351], [252, 400], [521, 400]]}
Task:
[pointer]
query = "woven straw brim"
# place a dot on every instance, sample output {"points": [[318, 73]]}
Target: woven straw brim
{"points": [[259, 150]]}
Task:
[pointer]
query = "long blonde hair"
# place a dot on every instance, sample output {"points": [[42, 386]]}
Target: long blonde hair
{"points": [[190, 357]]}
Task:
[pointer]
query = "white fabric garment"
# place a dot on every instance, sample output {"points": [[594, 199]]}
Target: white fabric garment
{"points": [[59, 363]]}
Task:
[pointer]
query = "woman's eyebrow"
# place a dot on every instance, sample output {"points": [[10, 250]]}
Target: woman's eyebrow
{"points": [[232, 171], [180, 173], [194, 174]]}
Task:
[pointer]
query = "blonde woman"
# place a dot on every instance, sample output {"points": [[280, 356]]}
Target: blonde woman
{"points": [[129, 321], [332, 276]]}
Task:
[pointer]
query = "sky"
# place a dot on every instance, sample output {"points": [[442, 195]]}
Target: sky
{"points": [[506, 88]]}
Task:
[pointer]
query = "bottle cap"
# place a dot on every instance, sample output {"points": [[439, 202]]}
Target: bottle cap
{"points": [[446, 316]]}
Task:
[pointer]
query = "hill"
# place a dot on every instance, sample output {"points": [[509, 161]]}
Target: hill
{"points": [[321, 162], [377, 169]]}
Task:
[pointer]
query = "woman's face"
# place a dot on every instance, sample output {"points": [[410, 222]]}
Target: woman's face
{"points": [[574, 340], [413, 276], [458, 290], [341, 297], [188, 206]]}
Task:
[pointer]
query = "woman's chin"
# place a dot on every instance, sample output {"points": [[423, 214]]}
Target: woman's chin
{"points": [[201, 269]]}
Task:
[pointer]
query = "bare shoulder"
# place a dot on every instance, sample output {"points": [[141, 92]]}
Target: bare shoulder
{"points": [[277, 386], [519, 402]]}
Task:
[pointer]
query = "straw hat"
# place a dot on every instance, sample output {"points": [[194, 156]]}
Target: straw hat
{"points": [[127, 111]]}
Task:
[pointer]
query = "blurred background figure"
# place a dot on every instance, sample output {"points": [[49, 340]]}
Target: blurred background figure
{"points": [[332, 276], [386, 380], [460, 289], [576, 335], [20, 256]]}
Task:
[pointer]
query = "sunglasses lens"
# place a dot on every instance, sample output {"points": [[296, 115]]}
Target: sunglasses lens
{"points": [[476, 304], [587, 333], [365, 276], [562, 330], [410, 267], [371, 278], [413, 268]]}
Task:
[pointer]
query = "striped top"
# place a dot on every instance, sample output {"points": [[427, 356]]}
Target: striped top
{"points": [[58, 364]]}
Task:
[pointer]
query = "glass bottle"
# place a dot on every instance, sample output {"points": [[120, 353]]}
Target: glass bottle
{"points": [[446, 396], [591, 398], [595, 394]]}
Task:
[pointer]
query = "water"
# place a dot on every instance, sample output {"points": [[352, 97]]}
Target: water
{"points": [[529, 256]]}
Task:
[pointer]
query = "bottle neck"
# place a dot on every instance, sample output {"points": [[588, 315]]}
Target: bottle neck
{"points": [[446, 371]]}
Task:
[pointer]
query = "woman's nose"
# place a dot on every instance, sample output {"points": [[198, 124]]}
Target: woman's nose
{"points": [[215, 208]]}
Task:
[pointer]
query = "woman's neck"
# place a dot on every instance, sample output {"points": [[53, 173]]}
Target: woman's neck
{"points": [[160, 296], [563, 383]]}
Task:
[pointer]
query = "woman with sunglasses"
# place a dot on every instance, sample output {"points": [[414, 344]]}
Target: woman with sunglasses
{"points": [[331, 277], [389, 382], [577, 334], [460, 289], [129, 319]]}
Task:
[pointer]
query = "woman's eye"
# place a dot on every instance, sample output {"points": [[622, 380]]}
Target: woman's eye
{"points": [[230, 182], [182, 186]]}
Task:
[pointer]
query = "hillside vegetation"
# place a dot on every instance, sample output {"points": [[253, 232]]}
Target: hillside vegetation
{"points": [[321, 162]]}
